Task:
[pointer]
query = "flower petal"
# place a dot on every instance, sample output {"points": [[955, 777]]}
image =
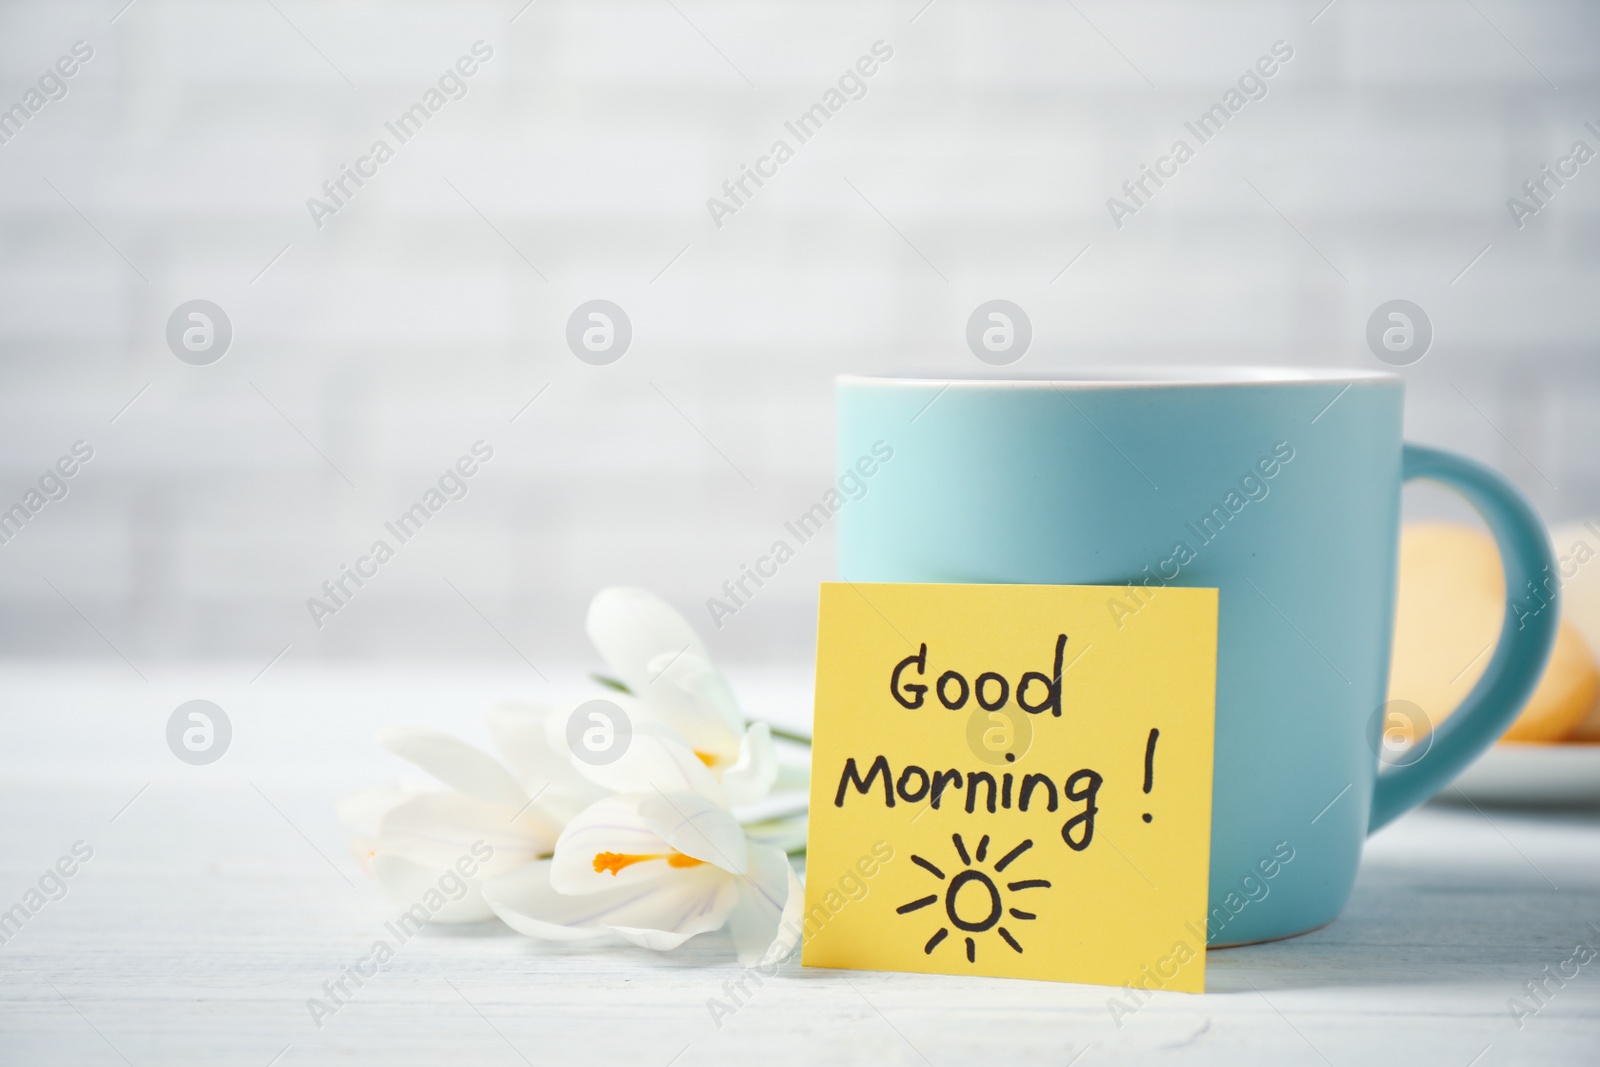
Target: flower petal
{"points": [[519, 732], [693, 904], [455, 763], [656, 759], [364, 810], [630, 627], [767, 921], [533, 739], [613, 826], [363, 850], [753, 774], [525, 901], [436, 829], [658, 914], [410, 885], [689, 695], [697, 827]]}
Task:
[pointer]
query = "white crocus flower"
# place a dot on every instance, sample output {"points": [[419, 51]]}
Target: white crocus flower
{"points": [[659, 862], [410, 836], [533, 739], [656, 653]]}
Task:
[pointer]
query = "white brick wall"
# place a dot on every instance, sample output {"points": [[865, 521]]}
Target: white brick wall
{"points": [[406, 328]]}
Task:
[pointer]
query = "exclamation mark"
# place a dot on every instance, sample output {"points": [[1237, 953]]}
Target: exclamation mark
{"points": [[1150, 765]]}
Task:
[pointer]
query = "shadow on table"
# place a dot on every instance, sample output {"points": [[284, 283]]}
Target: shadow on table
{"points": [[1430, 919]]}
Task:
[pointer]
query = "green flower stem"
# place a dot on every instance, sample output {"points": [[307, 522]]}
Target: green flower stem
{"points": [[612, 683], [786, 734]]}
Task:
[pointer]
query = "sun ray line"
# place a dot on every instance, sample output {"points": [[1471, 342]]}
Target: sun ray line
{"points": [[1006, 934], [1017, 913], [983, 849], [961, 849], [1028, 883], [933, 942], [916, 904], [972, 951], [1005, 861], [930, 868]]}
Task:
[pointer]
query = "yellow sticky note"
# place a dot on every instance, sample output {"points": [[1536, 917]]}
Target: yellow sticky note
{"points": [[1012, 780]]}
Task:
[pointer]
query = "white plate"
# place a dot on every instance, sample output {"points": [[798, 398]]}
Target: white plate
{"points": [[1560, 775]]}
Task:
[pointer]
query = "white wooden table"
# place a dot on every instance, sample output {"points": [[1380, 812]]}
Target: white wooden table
{"points": [[222, 897]]}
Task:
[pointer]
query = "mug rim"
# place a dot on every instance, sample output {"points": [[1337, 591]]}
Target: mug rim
{"points": [[1137, 377]]}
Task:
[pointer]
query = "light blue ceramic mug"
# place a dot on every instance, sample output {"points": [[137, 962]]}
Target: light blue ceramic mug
{"points": [[1280, 488]]}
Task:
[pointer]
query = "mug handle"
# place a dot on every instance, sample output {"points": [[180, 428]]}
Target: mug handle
{"points": [[1522, 649]]}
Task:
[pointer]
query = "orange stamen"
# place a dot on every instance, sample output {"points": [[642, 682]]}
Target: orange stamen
{"points": [[612, 862], [707, 758]]}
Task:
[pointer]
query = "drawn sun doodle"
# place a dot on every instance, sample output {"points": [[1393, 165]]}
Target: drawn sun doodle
{"points": [[973, 892]]}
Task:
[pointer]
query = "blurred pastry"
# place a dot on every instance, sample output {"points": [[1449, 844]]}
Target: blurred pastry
{"points": [[1450, 607], [1578, 563]]}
